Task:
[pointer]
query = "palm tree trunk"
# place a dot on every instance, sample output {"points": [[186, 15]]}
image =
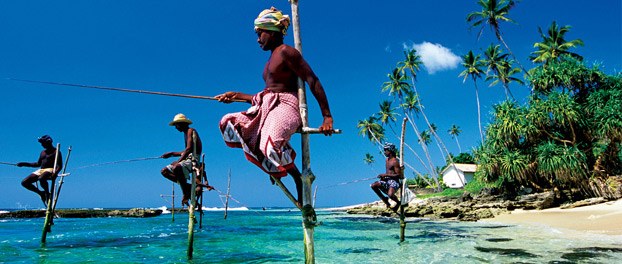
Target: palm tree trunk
{"points": [[418, 157], [425, 150], [500, 37], [508, 91], [479, 115], [458, 143]]}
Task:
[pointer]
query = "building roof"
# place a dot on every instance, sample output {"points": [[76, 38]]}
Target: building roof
{"points": [[462, 167]]}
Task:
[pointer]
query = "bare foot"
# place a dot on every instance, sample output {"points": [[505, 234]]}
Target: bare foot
{"points": [[184, 201], [394, 208], [44, 198], [208, 187]]}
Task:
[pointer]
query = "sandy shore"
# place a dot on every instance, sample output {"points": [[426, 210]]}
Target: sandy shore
{"points": [[604, 218]]}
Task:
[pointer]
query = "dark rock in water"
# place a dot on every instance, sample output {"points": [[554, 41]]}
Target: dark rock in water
{"points": [[507, 252], [85, 213], [499, 239]]}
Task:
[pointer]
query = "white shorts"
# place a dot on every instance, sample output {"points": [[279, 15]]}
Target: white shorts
{"points": [[186, 166], [40, 172]]}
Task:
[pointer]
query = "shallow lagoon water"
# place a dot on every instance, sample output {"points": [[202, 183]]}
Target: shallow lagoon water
{"points": [[275, 236]]}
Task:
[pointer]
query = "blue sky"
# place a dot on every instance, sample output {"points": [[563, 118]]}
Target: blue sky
{"points": [[209, 47]]}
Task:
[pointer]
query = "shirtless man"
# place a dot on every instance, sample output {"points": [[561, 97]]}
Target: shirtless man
{"points": [[179, 170], [264, 130], [46, 171], [390, 180]]}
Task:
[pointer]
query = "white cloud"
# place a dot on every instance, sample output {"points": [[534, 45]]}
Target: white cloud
{"points": [[435, 57]]}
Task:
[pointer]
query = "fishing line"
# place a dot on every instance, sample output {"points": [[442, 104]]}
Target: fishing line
{"points": [[116, 162], [349, 182], [122, 89]]}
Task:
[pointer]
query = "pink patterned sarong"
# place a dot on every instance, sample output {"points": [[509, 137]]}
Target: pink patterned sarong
{"points": [[263, 131]]}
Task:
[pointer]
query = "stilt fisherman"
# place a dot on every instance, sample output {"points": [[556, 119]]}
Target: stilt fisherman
{"points": [[46, 168], [264, 130]]}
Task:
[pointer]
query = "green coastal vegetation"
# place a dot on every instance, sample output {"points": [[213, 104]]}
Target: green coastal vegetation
{"points": [[566, 137]]}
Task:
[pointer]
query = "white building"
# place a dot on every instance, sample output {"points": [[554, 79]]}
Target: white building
{"points": [[458, 175]]}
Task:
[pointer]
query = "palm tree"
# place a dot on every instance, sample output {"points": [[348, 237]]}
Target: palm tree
{"points": [[473, 67], [454, 131], [554, 45], [425, 137], [369, 159], [493, 12], [411, 108], [504, 75], [501, 69], [372, 130], [387, 115], [412, 62], [396, 84]]}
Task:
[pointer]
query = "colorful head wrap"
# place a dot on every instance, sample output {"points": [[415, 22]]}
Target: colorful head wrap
{"points": [[273, 20], [390, 147]]}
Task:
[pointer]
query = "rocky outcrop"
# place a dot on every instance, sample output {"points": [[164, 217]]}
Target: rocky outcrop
{"points": [[466, 207], [85, 213], [585, 202]]}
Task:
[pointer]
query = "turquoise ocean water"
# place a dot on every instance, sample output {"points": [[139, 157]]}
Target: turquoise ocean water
{"points": [[275, 236]]}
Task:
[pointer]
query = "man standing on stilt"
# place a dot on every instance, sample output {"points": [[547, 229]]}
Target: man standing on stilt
{"points": [[46, 171], [264, 130], [389, 181], [180, 170]]}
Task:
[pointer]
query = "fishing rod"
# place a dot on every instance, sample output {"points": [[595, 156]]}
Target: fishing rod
{"points": [[115, 162], [123, 90], [305, 130], [8, 163], [349, 182]]}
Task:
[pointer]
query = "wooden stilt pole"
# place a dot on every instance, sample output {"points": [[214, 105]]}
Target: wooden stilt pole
{"points": [[228, 193], [403, 191], [61, 181], [173, 204], [309, 218], [201, 176], [49, 212], [193, 202]]}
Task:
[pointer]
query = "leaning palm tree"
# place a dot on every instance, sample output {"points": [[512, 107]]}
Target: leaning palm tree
{"points": [[396, 85], [412, 62], [554, 45], [371, 130], [504, 75], [454, 131], [500, 69], [387, 114], [425, 137], [411, 109], [493, 12], [473, 67]]}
